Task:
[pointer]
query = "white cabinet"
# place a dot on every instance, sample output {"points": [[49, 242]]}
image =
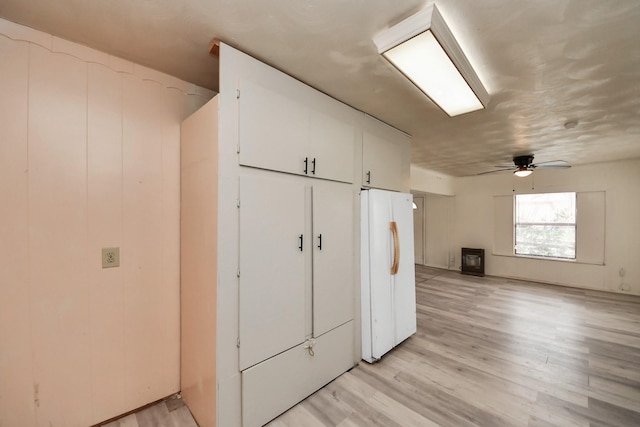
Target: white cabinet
{"points": [[279, 132], [269, 135], [273, 386], [296, 289], [331, 147], [272, 130], [386, 157], [332, 254], [272, 267]]}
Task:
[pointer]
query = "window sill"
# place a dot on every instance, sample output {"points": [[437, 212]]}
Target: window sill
{"points": [[571, 261]]}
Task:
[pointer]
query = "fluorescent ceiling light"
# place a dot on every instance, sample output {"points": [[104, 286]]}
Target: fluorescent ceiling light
{"points": [[423, 49], [522, 172]]}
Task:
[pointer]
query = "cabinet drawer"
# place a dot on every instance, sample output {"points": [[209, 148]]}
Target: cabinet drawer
{"points": [[275, 385]]}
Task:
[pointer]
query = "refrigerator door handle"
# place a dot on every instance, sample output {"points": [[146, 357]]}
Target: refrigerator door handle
{"points": [[396, 248]]}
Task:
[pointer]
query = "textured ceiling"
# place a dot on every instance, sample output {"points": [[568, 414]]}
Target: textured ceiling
{"points": [[543, 62]]}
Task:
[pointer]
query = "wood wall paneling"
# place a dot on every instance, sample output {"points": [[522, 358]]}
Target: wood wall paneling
{"points": [[16, 376], [147, 327], [89, 158], [171, 119], [104, 161], [60, 293]]}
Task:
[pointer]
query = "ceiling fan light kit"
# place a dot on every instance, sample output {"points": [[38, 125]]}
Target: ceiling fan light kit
{"points": [[522, 172], [423, 49]]}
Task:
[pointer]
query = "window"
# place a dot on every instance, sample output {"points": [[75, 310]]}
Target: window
{"points": [[545, 225]]}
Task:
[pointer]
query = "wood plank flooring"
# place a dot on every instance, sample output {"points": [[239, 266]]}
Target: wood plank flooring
{"points": [[493, 352], [172, 412]]}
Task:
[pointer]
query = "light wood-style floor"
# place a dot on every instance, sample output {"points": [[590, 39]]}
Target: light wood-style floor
{"points": [[494, 352], [171, 412]]}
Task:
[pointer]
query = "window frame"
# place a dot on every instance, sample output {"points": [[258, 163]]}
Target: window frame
{"points": [[546, 224]]}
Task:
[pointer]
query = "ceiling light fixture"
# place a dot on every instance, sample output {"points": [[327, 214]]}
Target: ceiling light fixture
{"points": [[423, 49], [522, 172]]}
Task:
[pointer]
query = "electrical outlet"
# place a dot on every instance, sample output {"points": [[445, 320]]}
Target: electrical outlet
{"points": [[110, 257]]}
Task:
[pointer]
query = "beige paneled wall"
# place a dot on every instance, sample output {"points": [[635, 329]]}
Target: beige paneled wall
{"points": [[616, 183], [89, 158], [16, 371]]}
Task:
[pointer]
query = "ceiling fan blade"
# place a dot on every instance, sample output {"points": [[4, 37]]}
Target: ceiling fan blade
{"points": [[553, 166], [497, 170], [551, 161]]}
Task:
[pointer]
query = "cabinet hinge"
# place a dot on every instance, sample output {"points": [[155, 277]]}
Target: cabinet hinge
{"points": [[237, 93], [238, 342], [238, 272], [238, 203], [238, 149]]}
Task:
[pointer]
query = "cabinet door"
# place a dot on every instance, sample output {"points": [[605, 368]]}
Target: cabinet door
{"points": [[386, 157], [332, 256], [272, 267], [331, 147], [273, 130]]}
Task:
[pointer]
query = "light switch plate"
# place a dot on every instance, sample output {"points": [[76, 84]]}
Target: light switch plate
{"points": [[110, 257]]}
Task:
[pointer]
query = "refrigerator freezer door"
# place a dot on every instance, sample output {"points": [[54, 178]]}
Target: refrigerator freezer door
{"points": [[377, 291], [404, 282]]}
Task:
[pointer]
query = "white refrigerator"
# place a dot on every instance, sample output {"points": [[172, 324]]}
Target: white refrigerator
{"points": [[388, 288]]}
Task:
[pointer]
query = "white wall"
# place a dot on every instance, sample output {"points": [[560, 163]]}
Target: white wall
{"points": [[438, 219], [620, 180], [89, 158], [427, 181], [439, 229]]}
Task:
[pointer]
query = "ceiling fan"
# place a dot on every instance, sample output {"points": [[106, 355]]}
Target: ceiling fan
{"points": [[524, 166]]}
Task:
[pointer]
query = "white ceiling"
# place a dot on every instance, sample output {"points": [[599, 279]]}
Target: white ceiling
{"points": [[543, 62]]}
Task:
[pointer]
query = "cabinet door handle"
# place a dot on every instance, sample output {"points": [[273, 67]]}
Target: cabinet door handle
{"points": [[301, 241], [320, 241], [313, 163], [306, 165], [369, 177]]}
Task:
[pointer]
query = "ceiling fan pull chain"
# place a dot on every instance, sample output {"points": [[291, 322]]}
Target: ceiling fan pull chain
{"points": [[533, 177]]}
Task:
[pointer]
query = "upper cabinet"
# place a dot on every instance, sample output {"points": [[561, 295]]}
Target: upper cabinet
{"points": [[272, 130], [332, 147], [386, 157], [279, 131]]}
